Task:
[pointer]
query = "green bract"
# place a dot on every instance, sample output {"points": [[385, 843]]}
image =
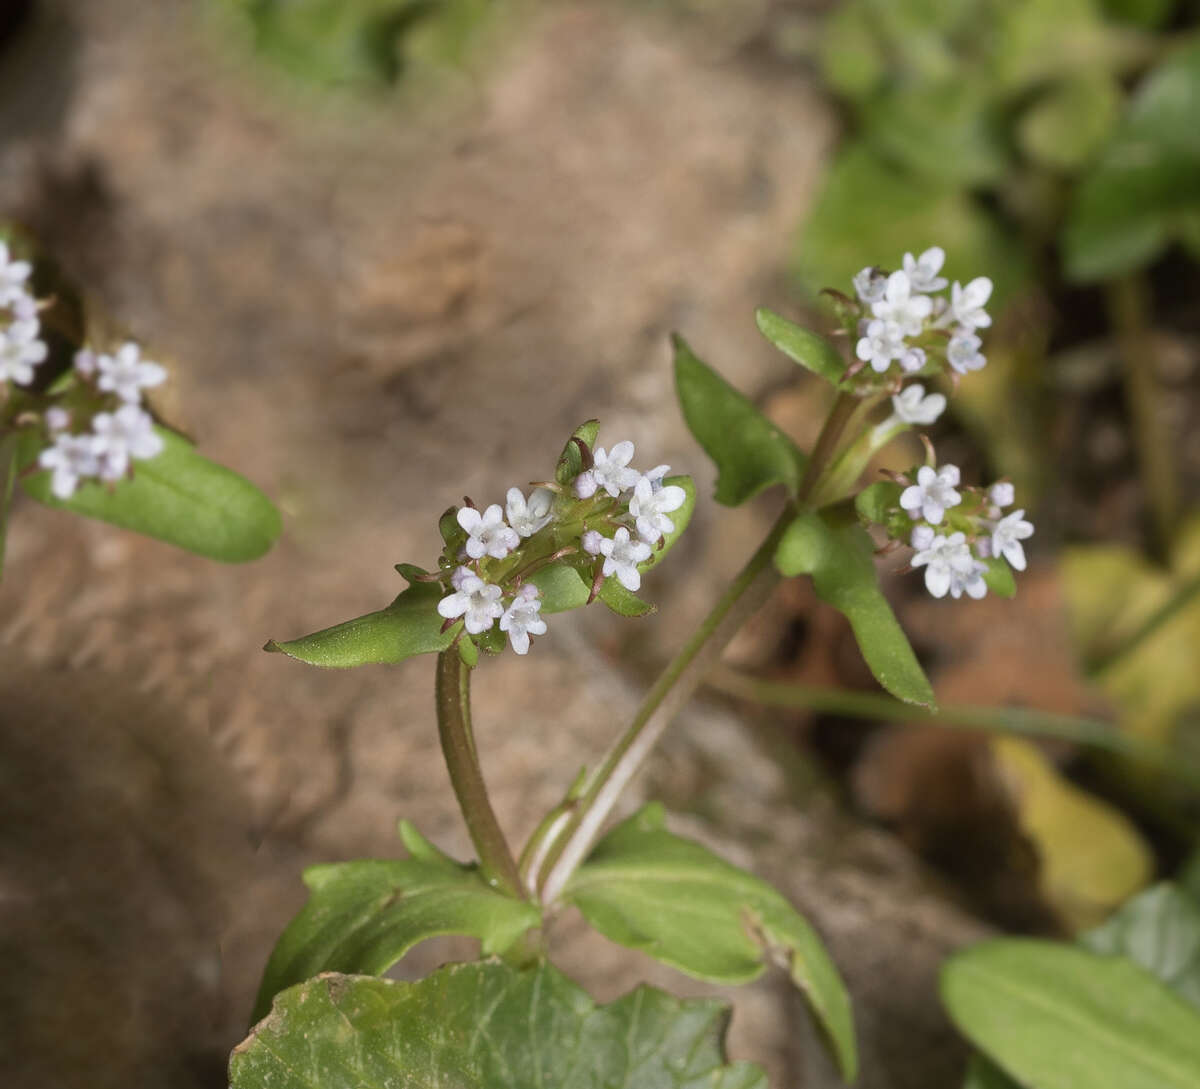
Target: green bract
{"points": [[812, 352], [363, 916], [485, 1026], [675, 900], [179, 497]]}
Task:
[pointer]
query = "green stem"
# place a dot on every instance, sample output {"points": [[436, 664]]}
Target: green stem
{"points": [[1129, 310], [1007, 720], [453, 693], [684, 674]]}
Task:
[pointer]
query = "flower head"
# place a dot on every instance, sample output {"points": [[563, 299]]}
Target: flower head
{"points": [[20, 351], [487, 533], [521, 619], [621, 557], [650, 507], [870, 285], [882, 342], [1007, 535], [13, 275], [966, 303], [1002, 494], [901, 305], [126, 374], [922, 272], [122, 435], [913, 406], [478, 602], [528, 516], [610, 469], [963, 353], [933, 493], [949, 566], [71, 458]]}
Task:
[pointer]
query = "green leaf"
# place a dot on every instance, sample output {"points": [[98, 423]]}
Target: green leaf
{"points": [[410, 625], [486, 1025], [570, 461], [841, 561], [623, 602], [982, 1073], [811, 351], [179, 497], [1147, 183], [999, 577], [877, 502], [468, 652], [675, 900], [750, 452], [1058, 1017], [561, 588], [1070, 123], [1160, 930], [363, 916], [1145, 13]]}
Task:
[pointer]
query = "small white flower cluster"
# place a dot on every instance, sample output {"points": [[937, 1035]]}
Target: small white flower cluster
{"points": [[903, 321], [954, 531], [503, 547], [118, 434], [21, 346]]}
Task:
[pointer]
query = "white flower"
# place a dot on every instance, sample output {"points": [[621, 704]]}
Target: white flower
{"points": [[912, 359], [13, 275], [882, 343], [1007, 535], [20, 351], [487, 533], [121, 435], [527, 517], [459, 574], [24, 308], [870, 285], [521, 619], [650, 507], [1002, 494], [71, 458], [932, 493], [922, 537], [621, 557], [966, 303], [900, 305], [610, 470], [913, 406], [922, 272], [477, 601], [591, 540], [57, 418], [950, 567], [126, 374], [85, 362], [963, 354]]}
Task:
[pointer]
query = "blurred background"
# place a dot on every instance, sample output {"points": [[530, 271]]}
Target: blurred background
{"points": [[393, 251]]}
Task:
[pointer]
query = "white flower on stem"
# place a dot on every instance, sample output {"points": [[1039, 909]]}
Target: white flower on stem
{"points": [[966, 303], [528, 516], [610, 469], [621, 557], [881, 343], [71, 458], [521, 619], [459, 574], [870, 285], [650, 507], [963, 353], [933, 493], [478, 602], [487, 533], [912, 359], [1002, 494], [949, 566], [122, 435], [901, 305], [922, 272], [20, 351], [1007, 535], [591, 541], [126, 374], [913, 406], [13, 275]]}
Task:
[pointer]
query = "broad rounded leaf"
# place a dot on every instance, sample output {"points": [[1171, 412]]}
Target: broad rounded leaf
{"points": [[560, 588], [811, 351], [750, 452], [179, 497], [1058, 1017], [841, 561], [363, 916], [678, 902], [1160, 930], [410, 625], [485, 1025]]}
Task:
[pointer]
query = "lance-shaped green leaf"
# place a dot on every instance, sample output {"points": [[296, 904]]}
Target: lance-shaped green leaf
{"points": [[750, 452], [363, 916], [1160, 930], [1059, 1017], [675, 900], [811, 351], [179, 497], [410, 625], [840, 559], [570, 461], [486, 1025]]}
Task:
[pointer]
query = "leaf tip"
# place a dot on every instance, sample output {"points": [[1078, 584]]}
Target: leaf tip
{"points": [[272, 647]]}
